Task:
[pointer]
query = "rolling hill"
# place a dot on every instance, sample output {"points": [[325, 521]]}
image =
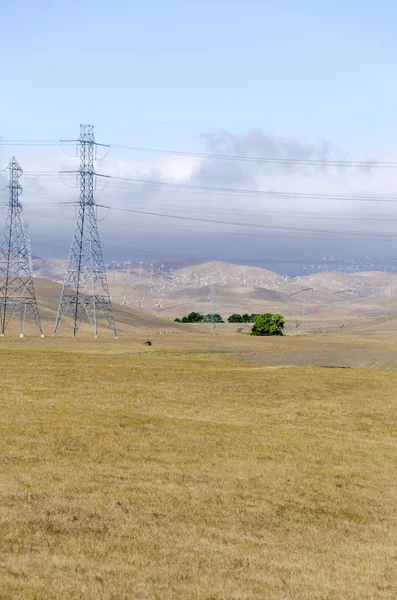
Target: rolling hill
{"points": [[162, 290], [127, 320]]}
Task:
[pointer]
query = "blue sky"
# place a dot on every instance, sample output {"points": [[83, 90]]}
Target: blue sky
{"points": [[281, 75], [161, 73]]}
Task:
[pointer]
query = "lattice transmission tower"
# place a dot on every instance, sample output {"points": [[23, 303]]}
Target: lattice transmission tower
{"points": [[212, 299], [85, 288], [17, 295]]}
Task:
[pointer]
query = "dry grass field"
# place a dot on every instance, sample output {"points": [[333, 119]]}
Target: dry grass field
{"points": [[206, 467]]}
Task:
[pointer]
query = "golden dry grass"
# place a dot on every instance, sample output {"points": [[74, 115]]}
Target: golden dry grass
{"points": [[180, 472]]}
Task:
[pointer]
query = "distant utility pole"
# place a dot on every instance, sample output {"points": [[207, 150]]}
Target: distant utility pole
{"points": [[17, 295], [212, 299], [85, 289], [304, 313]]}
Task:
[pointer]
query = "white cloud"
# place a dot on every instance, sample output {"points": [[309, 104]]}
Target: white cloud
{"points": [[128, 229]]}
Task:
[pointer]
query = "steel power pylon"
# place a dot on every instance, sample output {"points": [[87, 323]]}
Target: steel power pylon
{"points": [[85, 288], [17, 295], [212, 299]]}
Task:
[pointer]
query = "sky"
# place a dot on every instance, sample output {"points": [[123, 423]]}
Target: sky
{"points": [[254, 78]]}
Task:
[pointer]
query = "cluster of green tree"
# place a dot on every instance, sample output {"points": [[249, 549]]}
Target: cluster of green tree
{"points": [[195, 317], [246, 318], [268, 324]]}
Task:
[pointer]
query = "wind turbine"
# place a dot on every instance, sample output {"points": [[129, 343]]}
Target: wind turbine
{"points": [[158, 306]]}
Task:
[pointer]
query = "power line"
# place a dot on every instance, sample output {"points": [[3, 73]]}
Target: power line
{"points": [[251, 192], [32, 142], [212, 258], [229, 157], [347, 217], [150, 252], [255, 225], [266, 159], [246, 225], [239, 191], [41, 173]]}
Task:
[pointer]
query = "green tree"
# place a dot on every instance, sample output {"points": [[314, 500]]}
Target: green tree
{"points": [[268, 324], [235, 318], [215, 318], [193, 317]]}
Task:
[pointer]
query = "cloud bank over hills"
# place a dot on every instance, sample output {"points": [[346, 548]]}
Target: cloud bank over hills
{"points": [[283, 225]]}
